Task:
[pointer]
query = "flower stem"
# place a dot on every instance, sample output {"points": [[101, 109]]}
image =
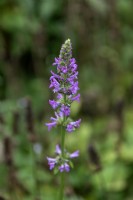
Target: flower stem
{"points": [[62, 140], [61, 195]]}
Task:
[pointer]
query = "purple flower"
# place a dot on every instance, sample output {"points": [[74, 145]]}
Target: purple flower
{"points": [[74, 154], [63, 69], [64, 167], [72, 125], [72, 65], [73, 77], [51, 162], [56, 76], [54, 84], [62, 163], [65, 110], [57, 61], [70, 128], [59, 115], [74, 88], [51, 125], [77, 123], [54, 104], [64, 82], [76, 98], [59, 96], [58, 149]]}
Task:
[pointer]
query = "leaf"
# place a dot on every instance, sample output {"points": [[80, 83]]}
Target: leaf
{"points": [[56, 170], [71, 164]]}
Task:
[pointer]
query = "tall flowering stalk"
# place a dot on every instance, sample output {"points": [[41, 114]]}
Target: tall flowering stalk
{"points": [[64, 84]]}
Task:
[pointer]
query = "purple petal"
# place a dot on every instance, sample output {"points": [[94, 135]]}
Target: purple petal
{"points": [[51, 166], [55, 76], [77, 123], [61, 168], [64, 167], [51, 125], [74, 154], [58, 150], [51, 162], [53, 119], [64, 69], [72, 125], [57, 61], [59, 96], [54, 84], [74, 88], [65, 110], [59, 114], [72, 65], [76, 98], [67, 167], [54, 104], [70, 128]]}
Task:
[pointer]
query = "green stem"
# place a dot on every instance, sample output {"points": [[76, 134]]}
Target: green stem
{"points": [[62, 187], [62, 140], [61, 195]]}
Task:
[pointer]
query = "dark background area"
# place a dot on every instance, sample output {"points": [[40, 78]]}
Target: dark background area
{"points": [[31, 35]]}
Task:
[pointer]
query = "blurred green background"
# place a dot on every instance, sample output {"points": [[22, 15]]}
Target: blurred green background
{"points": [[31, 34]]}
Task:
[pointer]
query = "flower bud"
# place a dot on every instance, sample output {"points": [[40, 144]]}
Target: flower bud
{"points": [[66, 51]]}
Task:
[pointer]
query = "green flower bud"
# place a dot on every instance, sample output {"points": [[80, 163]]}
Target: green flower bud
{"points": [[66, 51]]}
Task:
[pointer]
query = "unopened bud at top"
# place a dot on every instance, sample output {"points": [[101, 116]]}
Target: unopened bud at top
{"points": [[66, 51]]}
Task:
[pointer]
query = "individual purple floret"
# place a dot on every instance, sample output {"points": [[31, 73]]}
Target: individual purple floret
{"points": [[74, 154], [55, 85], [74, 88], [59, 96], [54, 104], [64, 167], [65, 110], [75, 98], [51, 162], [72, 125], [51, 125], [55, 121], [58, 149]]}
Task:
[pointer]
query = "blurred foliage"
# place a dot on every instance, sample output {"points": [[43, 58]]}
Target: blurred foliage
{"points": [[31, 33]]}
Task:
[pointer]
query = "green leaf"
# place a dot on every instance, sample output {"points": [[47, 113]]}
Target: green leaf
{"points": [[56, 170], [71, 164]]}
